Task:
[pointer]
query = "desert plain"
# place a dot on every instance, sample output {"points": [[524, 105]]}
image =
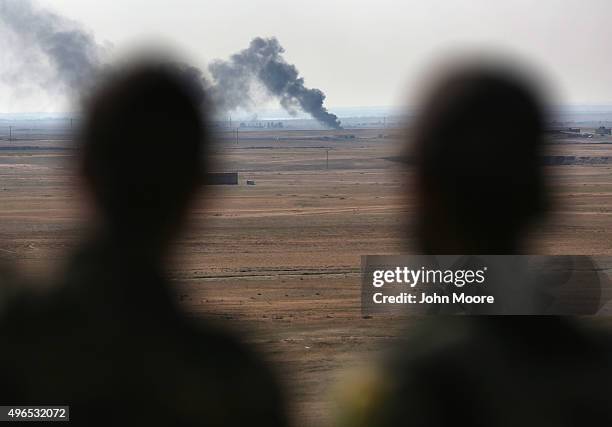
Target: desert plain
{"points": [[279, 261]]}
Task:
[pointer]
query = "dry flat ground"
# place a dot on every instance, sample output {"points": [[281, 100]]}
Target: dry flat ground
{"points": [[280, 259]]}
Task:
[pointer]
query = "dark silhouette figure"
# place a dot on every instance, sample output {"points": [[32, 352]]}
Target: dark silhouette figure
{"points": [[477, 150], [480, 186], [110, 340]]}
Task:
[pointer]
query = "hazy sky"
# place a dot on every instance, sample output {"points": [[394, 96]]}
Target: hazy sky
{"points": [[373, 52]]}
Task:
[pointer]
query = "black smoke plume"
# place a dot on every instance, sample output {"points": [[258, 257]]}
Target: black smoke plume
{"points": [[262, 61], [49, 43]]}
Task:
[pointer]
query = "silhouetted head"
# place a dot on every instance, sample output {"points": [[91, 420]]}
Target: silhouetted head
{"points": [[144, 149], [477, 153]]}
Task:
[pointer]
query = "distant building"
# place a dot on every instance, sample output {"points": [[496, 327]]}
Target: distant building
{"points": [[261, 125], [561, 129], [221, 178], [602, 130], [252, 125]]}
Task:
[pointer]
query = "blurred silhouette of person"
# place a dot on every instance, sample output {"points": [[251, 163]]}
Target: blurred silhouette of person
{"points": [[477, 150], [110, 340], [480, 188], [8, 283]]}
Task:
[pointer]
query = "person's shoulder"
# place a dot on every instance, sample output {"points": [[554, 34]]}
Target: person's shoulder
{"points": [[226, 346], [232, 372], [440, 336]]}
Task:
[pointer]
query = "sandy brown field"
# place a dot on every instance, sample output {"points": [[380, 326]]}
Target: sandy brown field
{"points": [[280, 259]]}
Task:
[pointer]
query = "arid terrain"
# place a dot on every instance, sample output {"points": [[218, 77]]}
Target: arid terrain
{"points": [[280, 259]]}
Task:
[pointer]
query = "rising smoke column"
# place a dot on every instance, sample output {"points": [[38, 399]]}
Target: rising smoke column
{"points": [[58, 55], [263, 61], [45, 40]]}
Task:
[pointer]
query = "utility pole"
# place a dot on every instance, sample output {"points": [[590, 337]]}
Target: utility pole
{"points": [[10, 133], [236, 136]]}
